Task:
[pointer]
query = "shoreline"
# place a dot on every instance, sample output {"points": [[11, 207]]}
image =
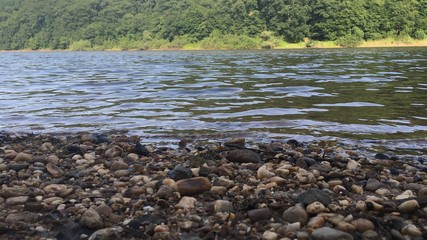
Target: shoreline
{"points": [[385, 43], [106, 186]]}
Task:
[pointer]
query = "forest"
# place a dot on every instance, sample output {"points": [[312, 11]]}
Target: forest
{"points": [[206, 24]]}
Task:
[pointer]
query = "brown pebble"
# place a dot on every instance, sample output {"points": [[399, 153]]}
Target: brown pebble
{"points": [[23, 157], [243, 156], [192, 186], [54, 170], [260, 214], [363, 224]]}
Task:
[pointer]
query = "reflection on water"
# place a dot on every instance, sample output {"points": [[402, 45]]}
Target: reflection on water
{"points": [[355, 94]]}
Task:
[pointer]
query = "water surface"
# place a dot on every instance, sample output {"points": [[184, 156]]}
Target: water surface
{"points": [[354, 94]]}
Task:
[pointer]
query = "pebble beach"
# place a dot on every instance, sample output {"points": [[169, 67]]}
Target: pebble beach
{"points": [[110, 186]]}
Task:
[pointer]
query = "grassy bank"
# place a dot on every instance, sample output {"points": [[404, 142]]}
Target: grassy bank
{"points": [[230, 43]]}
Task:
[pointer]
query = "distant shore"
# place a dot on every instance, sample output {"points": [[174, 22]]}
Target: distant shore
{"points": [[383, 43]]}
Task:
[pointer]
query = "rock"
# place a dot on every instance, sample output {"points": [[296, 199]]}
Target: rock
{"points": [[118, 165], [243, 156], [104, 234], [411, 230], [223, 206], [293, 227], [269, 235], [91, 219], [192, 186], [345, 226], [408, 206], [235, 142], [54, 170], [313, 195], [327, 233], [219, 190], [23, 157], [260, 214], [104, 210], [180, 172], [295, 214], [356, 189], [305, 176], [263, 172], [315, 208], [12, 201], [316, 222], [123, 173], [353, 165], [370, 234], [25, 216], [363, 224], [113, 152], [372, 184], [186, 203], [7, 192], [164, 192]]}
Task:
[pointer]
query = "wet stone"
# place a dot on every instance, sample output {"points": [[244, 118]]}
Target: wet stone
{"points": [[408, 206], [327, 233], [180, 172], [54, 170], [223, 206], [313, 195], [91, 219], [23, 157], [295, 214], [243, 156], [260, 214], [193, 186], [25, 216], [372, 185]]}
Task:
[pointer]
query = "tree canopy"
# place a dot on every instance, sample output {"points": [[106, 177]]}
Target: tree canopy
{"points": [[140, 24]]}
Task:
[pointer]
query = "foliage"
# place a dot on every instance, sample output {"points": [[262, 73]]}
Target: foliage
{"points": [[352, 39], [214, 24]]}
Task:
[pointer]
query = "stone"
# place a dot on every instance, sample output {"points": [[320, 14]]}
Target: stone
{"points": [[408, 206], [7, 192], [113, 152], [356, 189], [315, 208], [21, 200], [353, 165], [293, 227], [164, 192], [411, 230], [54, 170], [345, 226], [327, 233], [263, 172], [260, 214], [91, 219], [269, 235], [186, 203], [24, 216], [243, 156], [122, 173], [305, 176], [104, 234], [372, 185], [235, 142], [295, 214], [180, 172], [104, 210], [370, 234], [219, 190], [223, 206], [363, 224], [314, 195], [192, 186], [316, 222], [23, 157], [118, 165]]}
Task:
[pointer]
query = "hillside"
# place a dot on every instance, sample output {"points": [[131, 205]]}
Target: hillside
{"points": [[208, 24]]}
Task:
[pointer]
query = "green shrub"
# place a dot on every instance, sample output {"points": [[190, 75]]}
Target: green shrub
{"points": [[353, 39], [81, 45], [419, 34]]}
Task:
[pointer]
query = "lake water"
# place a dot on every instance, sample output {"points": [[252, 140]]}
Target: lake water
{"points": [[363, 95]]}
